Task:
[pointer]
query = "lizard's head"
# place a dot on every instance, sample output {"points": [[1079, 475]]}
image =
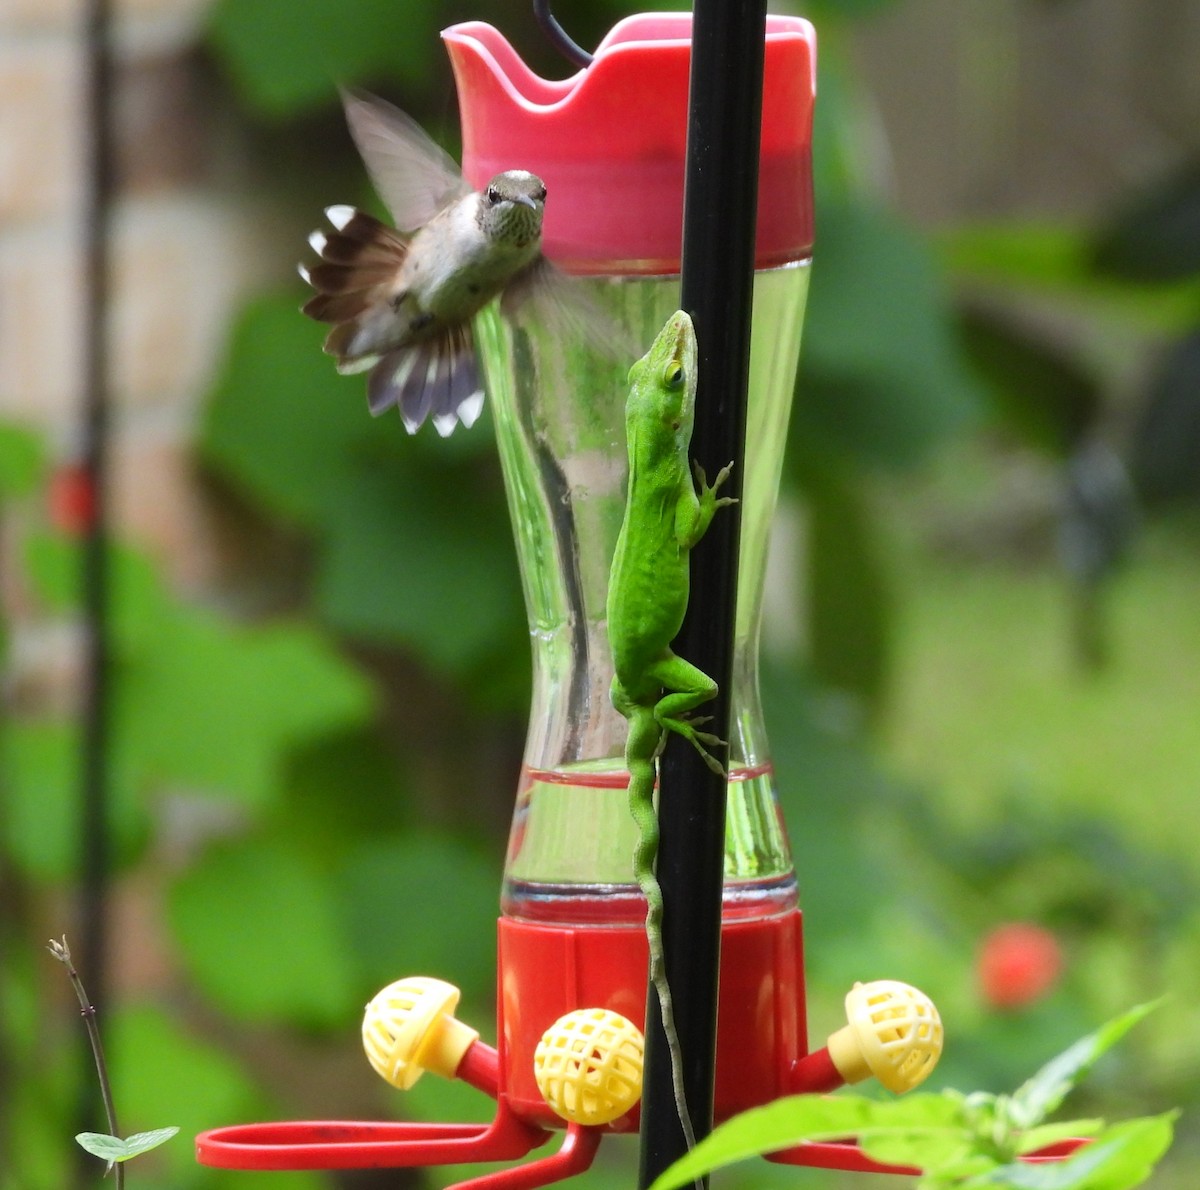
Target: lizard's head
{"points": [[666, 374]]}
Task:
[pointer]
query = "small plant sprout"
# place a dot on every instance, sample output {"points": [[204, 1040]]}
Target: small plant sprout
{"points": [[960, 1142], [108, 1146]]}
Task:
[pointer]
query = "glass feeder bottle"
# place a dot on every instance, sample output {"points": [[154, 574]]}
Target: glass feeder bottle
{"points": [[610, 145], [560, 417], [614, 211]]}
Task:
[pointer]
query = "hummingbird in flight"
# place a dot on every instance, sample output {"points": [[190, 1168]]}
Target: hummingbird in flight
{"points": [[401, 299]]}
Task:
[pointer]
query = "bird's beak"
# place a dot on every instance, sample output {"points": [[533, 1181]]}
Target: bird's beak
{"points": [[525, 201]]}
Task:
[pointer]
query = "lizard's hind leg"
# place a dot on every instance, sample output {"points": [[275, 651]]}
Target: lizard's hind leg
{"points": [[687, 688]]}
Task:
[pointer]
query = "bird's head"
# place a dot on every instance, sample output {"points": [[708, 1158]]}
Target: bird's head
{"points": [[511, 207]]}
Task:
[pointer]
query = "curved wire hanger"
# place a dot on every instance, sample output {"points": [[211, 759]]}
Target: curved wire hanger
{"points": [[558, 36]]}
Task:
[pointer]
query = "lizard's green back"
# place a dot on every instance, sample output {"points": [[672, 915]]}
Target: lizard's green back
{"points": [[655, 690], [648, 585]]}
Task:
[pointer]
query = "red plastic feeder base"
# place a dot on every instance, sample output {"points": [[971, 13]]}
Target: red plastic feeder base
{"points": [[547, 971]]}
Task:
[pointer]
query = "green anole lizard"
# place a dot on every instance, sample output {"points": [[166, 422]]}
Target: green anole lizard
{"points": [[665, 515]]}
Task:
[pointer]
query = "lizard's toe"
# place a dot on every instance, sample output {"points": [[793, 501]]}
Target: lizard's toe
{"points": [[710, 760]]}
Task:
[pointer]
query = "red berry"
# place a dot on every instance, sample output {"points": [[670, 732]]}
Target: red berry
{"points": [[1018, 964], [72, 501]]}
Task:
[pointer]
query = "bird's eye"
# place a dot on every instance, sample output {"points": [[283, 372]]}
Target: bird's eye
{"points": [[493, 195], [541, 194], [673, 376]]}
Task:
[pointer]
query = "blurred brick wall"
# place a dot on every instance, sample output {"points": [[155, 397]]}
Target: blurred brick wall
{"points": [[196, 227], [191, 236]]}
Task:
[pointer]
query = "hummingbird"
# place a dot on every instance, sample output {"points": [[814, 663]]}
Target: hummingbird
{"points": [[401, 299]]}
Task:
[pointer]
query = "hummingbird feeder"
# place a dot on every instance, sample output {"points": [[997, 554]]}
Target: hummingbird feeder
{"points": [[619, 147]]}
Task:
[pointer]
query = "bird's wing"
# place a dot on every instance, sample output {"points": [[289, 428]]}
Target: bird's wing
{"points": [[415, 178], [566, 306]]}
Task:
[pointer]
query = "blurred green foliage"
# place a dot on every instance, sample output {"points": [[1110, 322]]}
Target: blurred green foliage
{"points": [[302, 790], [406, 533], [316, 45]]}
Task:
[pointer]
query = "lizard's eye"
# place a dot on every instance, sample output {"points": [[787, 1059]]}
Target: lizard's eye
{"points": [[673, 375]]}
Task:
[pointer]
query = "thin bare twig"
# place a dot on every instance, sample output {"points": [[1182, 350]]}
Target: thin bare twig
{"points": [[62, 952]]}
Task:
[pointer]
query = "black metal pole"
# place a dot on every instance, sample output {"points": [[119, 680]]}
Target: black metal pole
{"points": [[720, 206], [94, 856]]}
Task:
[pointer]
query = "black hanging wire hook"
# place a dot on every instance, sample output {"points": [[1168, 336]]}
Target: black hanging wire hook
{"points": [[573, 53]]}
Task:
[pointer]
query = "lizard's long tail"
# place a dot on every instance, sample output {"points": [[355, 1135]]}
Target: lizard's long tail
{"points": [[641, 806]]}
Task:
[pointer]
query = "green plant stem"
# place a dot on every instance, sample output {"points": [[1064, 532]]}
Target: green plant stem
{"points": [[62, 952]]}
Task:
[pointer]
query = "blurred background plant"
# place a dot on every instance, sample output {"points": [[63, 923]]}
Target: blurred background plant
{"points": [[983, 652]]}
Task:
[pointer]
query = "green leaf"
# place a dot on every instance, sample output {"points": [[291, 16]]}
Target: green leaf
{"points": [[1042, 1094], [39, 763], [112, 1148], [923, 1148], [881, 376], [849, 601], [1045, 1135], [216, 707], [1122, 1157], [954, 1168], [280, 423], [841, 129], [1032, 254], [416, 542], [22, 460], [138, 602], [286, 56], [101, 1144], [927, 1131], [53, 568], [1133, 1148], [335, 785], [381, 885], [828, 780], [1055, 260], [40, 766], [258, 929], [424, 562], [779, 1125], [198, 701], [38, 1116], [141, 1142]]}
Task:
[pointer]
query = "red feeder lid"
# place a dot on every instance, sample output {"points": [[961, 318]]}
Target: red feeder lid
{"points": [[610, 141]]}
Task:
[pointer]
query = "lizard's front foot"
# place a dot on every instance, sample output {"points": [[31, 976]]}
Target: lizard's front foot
{"points": [[709, 492]]}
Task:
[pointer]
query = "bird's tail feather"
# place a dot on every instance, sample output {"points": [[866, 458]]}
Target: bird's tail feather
{"points": [[437, 379]]}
